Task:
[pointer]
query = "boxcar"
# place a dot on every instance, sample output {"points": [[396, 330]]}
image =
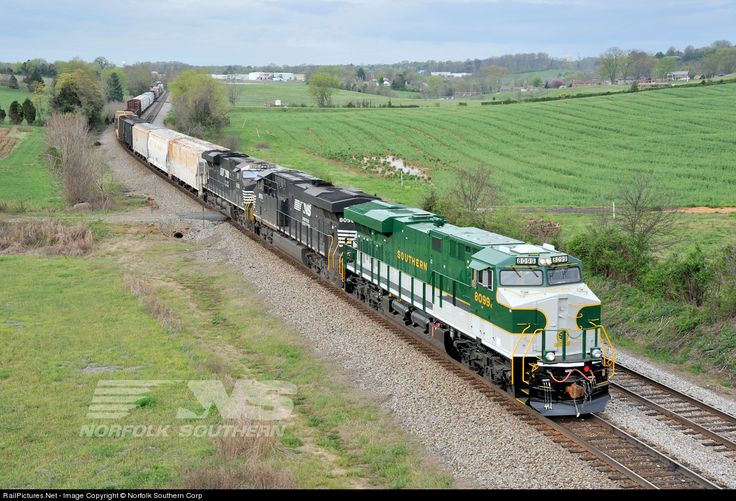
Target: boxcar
{"points": [[141, 132], [126, 130], [139, 104], [158, 147], [185, 161]]}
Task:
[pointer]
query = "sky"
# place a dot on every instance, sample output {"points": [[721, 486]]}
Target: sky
{"points": [[261, 32]]}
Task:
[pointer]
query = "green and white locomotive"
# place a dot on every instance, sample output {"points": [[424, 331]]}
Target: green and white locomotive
{"points": [[518, 314]]}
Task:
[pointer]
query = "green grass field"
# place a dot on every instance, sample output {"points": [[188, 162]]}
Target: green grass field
{"points": [[27, 180], [292, 94], [7, 96], [67, 323], [562, 153], [296, 94]]}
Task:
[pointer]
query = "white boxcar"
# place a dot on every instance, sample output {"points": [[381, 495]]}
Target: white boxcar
{"points": [[139, 104], [158, 147], [147, 99], [185, 160], [140, 137]]}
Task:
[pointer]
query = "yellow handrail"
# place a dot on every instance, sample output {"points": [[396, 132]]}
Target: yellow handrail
{"points": [[607, 345], [329, 251], [513, 353], [341, 264], [523, 357]]}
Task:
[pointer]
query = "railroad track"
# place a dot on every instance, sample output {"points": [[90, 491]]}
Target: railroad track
{"points": [[152, 112], [714, 428], [622, 457]]}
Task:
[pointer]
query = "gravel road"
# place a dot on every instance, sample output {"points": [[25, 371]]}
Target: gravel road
{"points": [[159, 120], [482, 444]]}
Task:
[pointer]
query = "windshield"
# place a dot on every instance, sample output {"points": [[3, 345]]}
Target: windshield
{"points": [[563, 275], [513, 276]]}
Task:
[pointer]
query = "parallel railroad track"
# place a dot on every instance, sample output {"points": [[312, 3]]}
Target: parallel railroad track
{"points": [[623, 458], [152, 112], [714, 428]]}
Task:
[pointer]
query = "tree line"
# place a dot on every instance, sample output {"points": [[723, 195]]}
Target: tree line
{"points": [[77, 85], [716, 59], [508, 72]]}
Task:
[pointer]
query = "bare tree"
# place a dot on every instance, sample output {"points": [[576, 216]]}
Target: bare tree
{"points": [[233, 91], [75, 160], [644, 214], [473, 193]]}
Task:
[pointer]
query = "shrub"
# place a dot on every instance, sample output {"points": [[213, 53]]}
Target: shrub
{"points": [[2, 115], [71, 154], [722, 297], [607, 251], [45, 237], [29, 111], [16, 113], [685, 278], [543, 230]]}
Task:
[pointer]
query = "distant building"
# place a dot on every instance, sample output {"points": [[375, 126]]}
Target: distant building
{"points": [[449, 74], [260, 75], [678, 76], [238, 77], [274, 76], [283, 77]]}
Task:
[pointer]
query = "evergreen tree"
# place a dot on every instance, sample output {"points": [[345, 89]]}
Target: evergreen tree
{"points": [[78, 91], [16, 113], [114, 88], [13, 82], [2, 115], [29, 111]]}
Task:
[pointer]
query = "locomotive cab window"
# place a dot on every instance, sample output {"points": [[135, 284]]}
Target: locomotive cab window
{"points": [[563, 275], [485, 278], [436, 244], [516, 277]]}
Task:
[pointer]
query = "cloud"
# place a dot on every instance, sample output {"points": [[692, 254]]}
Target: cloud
{"points": [[259, 32]]}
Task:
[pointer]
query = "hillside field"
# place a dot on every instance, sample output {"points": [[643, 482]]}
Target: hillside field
{"points": [[7, 96], [571, 153], [27, 180], [296, 94], [169, 315]]}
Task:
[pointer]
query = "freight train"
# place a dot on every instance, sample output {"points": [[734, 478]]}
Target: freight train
{"points": [[518, 314], [140, 104]]}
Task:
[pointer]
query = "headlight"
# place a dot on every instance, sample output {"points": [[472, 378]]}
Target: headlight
{"points": [[549, 356], [545, 261], [596, 353]]}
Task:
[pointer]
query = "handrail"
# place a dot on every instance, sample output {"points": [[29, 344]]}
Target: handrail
{"points": [[513, 353], [523, 357], [608, 361], [329, 251]]}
